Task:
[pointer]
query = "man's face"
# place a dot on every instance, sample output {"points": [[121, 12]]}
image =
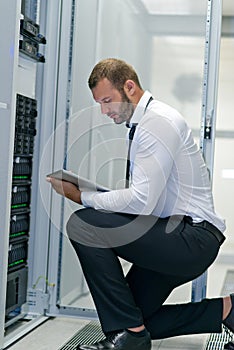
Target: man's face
{"points": [[115, 105]]}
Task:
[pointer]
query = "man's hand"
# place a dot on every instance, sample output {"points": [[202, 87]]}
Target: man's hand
{"points": [[66, 189]]}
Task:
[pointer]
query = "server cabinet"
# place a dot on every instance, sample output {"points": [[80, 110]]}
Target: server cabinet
{"points": [[23, 261], [9, 46]]}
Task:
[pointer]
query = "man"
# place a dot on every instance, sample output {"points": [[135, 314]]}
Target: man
{"points": [[163, 222]]}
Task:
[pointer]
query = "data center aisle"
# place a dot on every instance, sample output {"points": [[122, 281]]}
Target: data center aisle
{"points": [[56, 333]]}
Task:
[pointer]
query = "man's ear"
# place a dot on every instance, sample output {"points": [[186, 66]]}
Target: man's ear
{"points": [[129, 88]]}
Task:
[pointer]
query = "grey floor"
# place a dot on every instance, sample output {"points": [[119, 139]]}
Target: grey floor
{"points": [[52, 334]]}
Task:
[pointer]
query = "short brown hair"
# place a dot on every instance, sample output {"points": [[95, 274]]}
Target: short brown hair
{"points": [[115, 70]]}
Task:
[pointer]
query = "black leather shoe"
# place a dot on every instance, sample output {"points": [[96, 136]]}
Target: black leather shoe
{"points": [[229, 346], [120, 341], [229, 321]]}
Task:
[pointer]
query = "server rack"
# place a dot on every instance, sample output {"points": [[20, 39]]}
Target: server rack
{"points": [[24, 134], [25, 131], [20, 47], [33, 101], [7, 112]]}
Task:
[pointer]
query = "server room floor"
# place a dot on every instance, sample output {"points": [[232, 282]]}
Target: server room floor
{"points": [[58, 333]]}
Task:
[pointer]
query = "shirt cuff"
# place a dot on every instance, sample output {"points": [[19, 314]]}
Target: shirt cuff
{"points": [[87, 198]]}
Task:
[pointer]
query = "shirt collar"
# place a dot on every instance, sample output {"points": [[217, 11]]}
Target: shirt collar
{"points": [[140, 108]]}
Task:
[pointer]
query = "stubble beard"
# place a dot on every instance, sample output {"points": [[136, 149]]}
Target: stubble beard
{"points": [[126, 110]]}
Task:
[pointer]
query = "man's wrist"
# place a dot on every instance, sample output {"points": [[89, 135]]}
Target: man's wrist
{"points": [[75, 196]]}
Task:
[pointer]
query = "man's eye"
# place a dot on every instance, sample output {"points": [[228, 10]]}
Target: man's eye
{"points": [[107, 101]]}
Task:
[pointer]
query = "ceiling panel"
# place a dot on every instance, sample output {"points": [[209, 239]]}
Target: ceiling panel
{"points": [[184, 7]]}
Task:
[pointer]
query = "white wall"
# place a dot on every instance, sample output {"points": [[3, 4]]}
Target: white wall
{"points": [[177, 73]]}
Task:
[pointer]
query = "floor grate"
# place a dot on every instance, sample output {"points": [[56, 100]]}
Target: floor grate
{"points": [[218, 340], [89, 334]]}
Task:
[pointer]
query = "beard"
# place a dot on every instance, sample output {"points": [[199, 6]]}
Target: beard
{"points": [[126, 110]]}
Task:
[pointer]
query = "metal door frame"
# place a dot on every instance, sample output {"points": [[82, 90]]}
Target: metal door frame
{"points": [[208, 120], [209, 106]]}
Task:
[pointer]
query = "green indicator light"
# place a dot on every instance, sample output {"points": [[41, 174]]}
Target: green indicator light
{"points": [[18, 234], [18, 206], [20, 177], [16, 263]]}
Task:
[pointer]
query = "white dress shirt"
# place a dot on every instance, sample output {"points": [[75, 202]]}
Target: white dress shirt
{"points": [[168, 174]]}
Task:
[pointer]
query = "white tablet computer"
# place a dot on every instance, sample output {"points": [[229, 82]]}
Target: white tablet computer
{"points": [[82, 183]]}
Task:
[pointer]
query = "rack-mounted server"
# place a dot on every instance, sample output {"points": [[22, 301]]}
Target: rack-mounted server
{"points": [[25, 132]]}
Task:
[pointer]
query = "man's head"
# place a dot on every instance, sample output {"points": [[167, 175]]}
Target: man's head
{"points": [[115, 85], [116, 71]]}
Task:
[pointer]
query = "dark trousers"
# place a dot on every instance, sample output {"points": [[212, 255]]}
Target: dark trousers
{"points": [[165, 253]]}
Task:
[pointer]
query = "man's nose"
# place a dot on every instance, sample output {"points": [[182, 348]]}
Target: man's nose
{"points": [[105, 109]]}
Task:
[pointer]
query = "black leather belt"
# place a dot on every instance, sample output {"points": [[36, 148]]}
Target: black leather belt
{"points": [[209, 227]]}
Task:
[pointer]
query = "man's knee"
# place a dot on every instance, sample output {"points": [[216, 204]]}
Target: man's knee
{"points": [[70, 225], [86, 227], [73, 225]]}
